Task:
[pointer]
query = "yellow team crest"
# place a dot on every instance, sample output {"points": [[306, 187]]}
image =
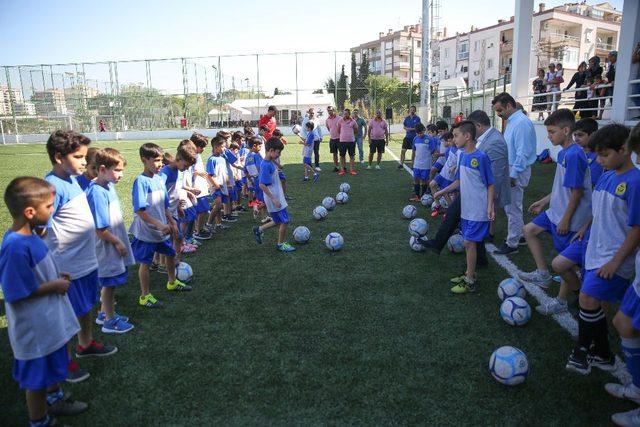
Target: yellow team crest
{"points": [[621, 189], [474, 163]]}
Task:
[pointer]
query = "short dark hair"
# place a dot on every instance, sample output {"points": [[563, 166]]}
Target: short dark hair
{"points": [[218, 140], [613, 136], [586, 125], [562, 117], [223, 133], [109, 158], [187, 152], [25, 191], [420, 128], [186, 142], [633, 142], [264, 128], [505, 99], [65, 142], [412, 106], [479, 117], [467, 127], [234, 146], [274, 143], [442, 125], [309, 125], [272, 108], [432, 128], [151, 151], [199, 139], [447, 136], [254, 140], [167, 158], [277, 133], [237, 136]]}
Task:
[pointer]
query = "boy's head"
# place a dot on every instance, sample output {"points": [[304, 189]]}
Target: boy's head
{"points": [[91, 170], [412, 109], [447, 137], [277, 133], [30, 199], [609, 142], [217, 144], [274, 146], [464, 133], [167, 158], [185, 156], [110, 164], [442, 127], [432, 129], [152, 157], [263, 129], [309, 125], [237, 137], [583, 130], [420, 129], [560, 126], [67, 150], [234, 148], [255, 144], [200, 141]]}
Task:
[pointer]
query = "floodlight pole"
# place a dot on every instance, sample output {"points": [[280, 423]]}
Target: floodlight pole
{"points": [[425, 72]]}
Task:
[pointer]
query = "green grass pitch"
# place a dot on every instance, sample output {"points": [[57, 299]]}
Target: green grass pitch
{"points": [[368, 335]]}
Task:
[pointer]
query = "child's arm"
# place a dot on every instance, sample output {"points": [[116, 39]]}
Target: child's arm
{"points": [[537, 207], [574, 201], [212, 182], [109, 237], [583, 230], [491, 214], [628, 246], [268, 193], [451, 187], [57, 286], [164, 228]]}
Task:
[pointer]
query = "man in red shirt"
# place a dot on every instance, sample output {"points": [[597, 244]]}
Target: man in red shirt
{"points": [[269, 120], [458, 118]]}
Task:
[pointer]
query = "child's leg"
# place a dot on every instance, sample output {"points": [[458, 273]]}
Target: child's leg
{"points": [[531, 232], [107, 295], [570, 281], [36, 404], [85, 335], [433, 185], [630, 340], [472, 256], [592, 326], [284, 186], [171, 268], [424, 187], [143, 276], [267, 226], [282, 231]]}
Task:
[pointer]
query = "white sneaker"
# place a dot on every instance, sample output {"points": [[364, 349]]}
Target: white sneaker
{"points": [[317, 169], [368, 167], [554, 306], [377, 167], [627, 419], [362, 162], [535, 278], [629, 391]]}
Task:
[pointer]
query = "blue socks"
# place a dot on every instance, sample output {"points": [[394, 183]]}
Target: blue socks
{"points": [[54, 396], [631, 349]]}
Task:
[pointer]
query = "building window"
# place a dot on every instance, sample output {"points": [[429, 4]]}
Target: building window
{"points": [[475, 45], [463, 51], [446, 52], [418, 43], [489, 64]]}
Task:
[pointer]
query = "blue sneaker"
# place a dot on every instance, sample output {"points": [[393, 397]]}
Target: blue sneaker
{"points": [[315, 177], [116, 326], [101, 318], [285, 247], [257, 234]]}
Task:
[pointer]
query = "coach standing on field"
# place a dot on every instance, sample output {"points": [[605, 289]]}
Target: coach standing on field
{"points": [[521, 143], [269, 120], [409, 126]]}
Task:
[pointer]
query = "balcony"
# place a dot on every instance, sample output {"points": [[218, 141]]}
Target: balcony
{"points": [[462, 56], [506, 46], [557, 38]]}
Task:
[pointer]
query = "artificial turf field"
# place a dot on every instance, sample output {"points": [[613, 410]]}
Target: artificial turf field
{"points": [[368, 335]]}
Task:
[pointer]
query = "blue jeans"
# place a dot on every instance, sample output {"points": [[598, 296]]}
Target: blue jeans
{"points": [[360, 149]]}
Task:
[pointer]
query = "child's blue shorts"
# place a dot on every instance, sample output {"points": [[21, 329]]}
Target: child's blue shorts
{"points": [[203, 205], [612, 290], [282, 176], [422, 174], [40, 373], [474, 231], [143, 251], [280, 217], [306, 161], [577, 250], [559, 242], [112, 282], [190, 214], [83, 293], [630, 306]]}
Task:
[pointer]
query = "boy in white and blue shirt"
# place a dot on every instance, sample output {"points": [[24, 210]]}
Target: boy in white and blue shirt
{"points": [[40, 318], [423, 147], [218, 180], [307, 149], [201, 184], [152, 225], [475, 180], [569, 201], [609, 260]]}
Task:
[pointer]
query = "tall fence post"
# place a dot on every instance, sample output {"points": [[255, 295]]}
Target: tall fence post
{"points": [[258, 81], [12, 103], [335, 78]]}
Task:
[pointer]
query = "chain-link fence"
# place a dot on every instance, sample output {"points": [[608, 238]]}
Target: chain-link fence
{"points": [[209, 92]]}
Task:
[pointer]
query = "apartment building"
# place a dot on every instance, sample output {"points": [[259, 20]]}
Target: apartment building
{"points": [[50, 102]]}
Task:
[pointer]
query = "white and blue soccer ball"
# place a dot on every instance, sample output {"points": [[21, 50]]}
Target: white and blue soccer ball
{"points": [[418, 227], [515, 311], [409, 212], [511, 288], [426, 199], [443, 203], [320, 213], [301, 234], [328, 203], [509, 365], [417, 244], [334, 241], [455, 244], [184, 272], [342, 197], [296, 129], [345, 187]]}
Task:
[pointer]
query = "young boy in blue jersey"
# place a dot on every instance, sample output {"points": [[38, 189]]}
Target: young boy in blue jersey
{"points": [[475, 180], [86, 178], [447, 173], [439, 158], [273, 195], [219, 181], [627, 323], [581, 133], [409, 126], [307, 149], [201, 183], [252, 167], [71, 238], [229, 158], [423, 147], [613, 241], [569, 201], [40, 319], [153, 225], [112, 248]]}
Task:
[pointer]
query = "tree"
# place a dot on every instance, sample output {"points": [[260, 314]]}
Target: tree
{"points": [[341, 95], [355, 84], [358, 86], [364, 68]]}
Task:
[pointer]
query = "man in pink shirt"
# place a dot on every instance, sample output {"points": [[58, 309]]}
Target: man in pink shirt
{"points": [[334, 135], [347, 128], [378, 138]]}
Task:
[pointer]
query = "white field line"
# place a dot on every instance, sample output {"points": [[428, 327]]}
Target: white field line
{"points": [[565, 320]]}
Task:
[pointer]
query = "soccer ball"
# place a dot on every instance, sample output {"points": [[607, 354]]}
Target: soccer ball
{"points": [[416, 244], [515, 311], [434, 205], [342, 197], [455, 244], [426, 200], [345, 188], [409, 212], [296, 129], [418, 227], [301, 234], [510, 288], [328, 203], [320, 213], [334, 241], [184, 273], [443, 203], [509, 365]]}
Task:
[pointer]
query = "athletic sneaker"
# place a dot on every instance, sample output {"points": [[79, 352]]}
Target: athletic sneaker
{"points": [[188, 248], [629, 391], [604, 364], [102, 316], [542, 280], [202, 235], [229, 218], [117, 325], [234, 214], [335, 169], [317, 169], [553, 306], [286, 247], [368, 167], [458, 279], [578, 362], [522, 242], [377, 167], [153, 267], [353, 172], [66, 406], [557, 279], [315, 177], [400, 166], [257, 233], [414, 198], [266, 219], [149, 301], [465, 287], [178, 286], [76, 374], [627, 419], [305, 179], [222, 227], [506, 250], [287, 197], [95, 349], [208, 227], [162, 269], [341, 173]]}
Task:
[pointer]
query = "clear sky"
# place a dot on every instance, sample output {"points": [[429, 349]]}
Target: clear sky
{"points": [[60, 31]]}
